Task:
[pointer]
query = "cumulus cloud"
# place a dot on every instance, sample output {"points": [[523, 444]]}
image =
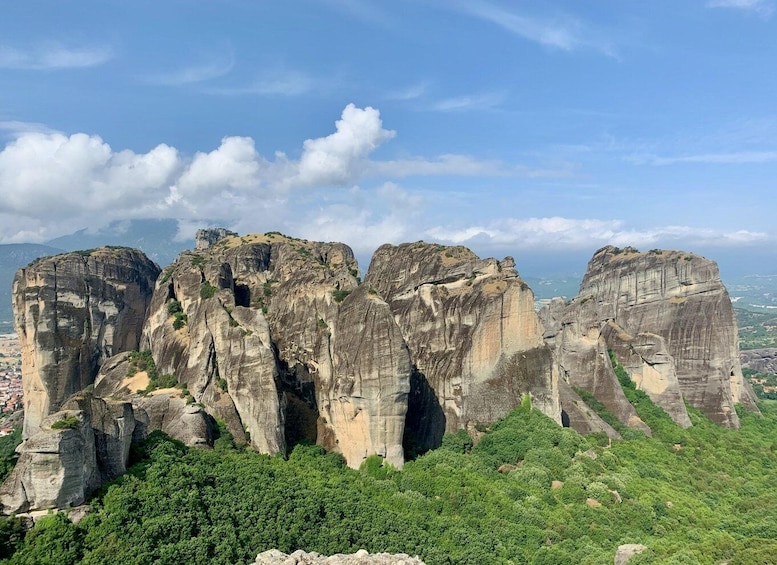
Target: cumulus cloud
{"points": [[338, 158], [55, 183]]}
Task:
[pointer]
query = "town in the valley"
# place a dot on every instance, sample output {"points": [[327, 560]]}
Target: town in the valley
{"points": [[10, 378]]}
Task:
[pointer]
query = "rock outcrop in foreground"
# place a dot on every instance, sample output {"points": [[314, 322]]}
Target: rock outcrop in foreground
{"points": [[361, 557], [669, 321], [474, 337], [72, 312]]}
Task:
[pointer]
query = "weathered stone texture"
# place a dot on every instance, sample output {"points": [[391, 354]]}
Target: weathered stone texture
{"points": [[474, 337], [361, 557], [668, 319], [279, 324], [72, 312], [56, 468]]}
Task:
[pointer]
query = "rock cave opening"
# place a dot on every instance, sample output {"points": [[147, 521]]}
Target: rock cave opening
{"points": [[425, 420], [242, 295], [299, 392]]}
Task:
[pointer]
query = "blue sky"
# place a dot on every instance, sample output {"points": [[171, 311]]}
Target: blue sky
{"points": [[534, 129]]}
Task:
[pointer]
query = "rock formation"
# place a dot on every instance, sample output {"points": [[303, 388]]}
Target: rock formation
{"points": [[262, 325], [361, 557], [71, 312], [58, 464], [474, 337], [668, 319], [760, 360], [276, 337]]}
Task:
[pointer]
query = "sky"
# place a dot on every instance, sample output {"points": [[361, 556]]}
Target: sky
{"points": [[541, 130]]}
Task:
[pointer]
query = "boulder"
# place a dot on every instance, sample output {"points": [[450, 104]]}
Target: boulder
{"points": [[361, 557], [57, 466], [626, 551]]}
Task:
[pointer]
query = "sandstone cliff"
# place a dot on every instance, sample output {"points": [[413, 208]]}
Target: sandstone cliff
{"points": [[71, 312], [668, 319], [58, 465], [261, 325], [474, 337]]}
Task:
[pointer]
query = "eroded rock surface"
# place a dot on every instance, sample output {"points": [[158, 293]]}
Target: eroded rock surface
{"points": [[361, 557], [760, 360], [474, 337], [261, 325], [669, 320], [56, 468], [72, 312]]}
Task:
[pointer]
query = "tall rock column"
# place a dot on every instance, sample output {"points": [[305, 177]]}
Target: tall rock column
{"points": [[474, 337], [71, 312]]}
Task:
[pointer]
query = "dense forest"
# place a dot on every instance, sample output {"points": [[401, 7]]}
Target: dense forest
{"points": [[529, 491]]}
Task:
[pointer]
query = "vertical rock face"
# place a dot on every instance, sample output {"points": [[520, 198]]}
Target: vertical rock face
{"points": [[669, 320], [71, 312], [56, 467], [261, 325], [474, 337], [582, 355]]}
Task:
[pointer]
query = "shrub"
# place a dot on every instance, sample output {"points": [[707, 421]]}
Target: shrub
{"points": [[69, 422], [207, 290], [339, 294], [173, 307]]}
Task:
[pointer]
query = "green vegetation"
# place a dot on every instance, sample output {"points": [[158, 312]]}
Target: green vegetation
{"points": [[764, 384], [175, 309], [8, 455], [628, 250], [702, 495], [69, 422], [207, 290], [143, 361], [340, 294], [197, 261], [757, 330]]}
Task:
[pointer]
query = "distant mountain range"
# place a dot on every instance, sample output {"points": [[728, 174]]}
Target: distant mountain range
{"points": [[13, 256], [156, 238]]}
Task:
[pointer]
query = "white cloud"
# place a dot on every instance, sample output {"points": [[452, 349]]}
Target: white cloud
{"points": [[214, 67], [458, 165], [16, 128], [483, 101], [54, 183], [339, 158], [53, 56], [764, 8], [736, 157], [569, 234], [566, 34], [280, 83], [410, 92]]}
